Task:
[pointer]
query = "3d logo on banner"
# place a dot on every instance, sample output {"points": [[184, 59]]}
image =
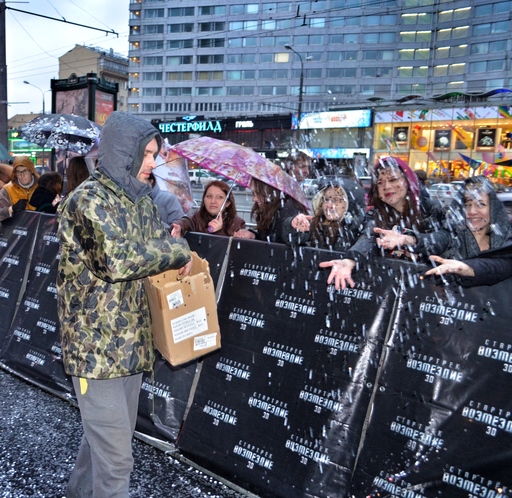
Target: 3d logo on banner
{"points": [[397, 387]]}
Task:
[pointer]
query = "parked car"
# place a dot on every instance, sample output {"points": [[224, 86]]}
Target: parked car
{"points": [[200, 177], [443, 192], [42, 169], [236, 186], [506, 198]]}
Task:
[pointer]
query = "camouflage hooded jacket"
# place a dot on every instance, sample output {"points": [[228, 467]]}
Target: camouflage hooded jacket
{"points": [[111, 237]]}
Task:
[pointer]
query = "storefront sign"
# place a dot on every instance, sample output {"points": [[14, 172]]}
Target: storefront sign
{"points": [[337, 153], [191, 127], [244, 124], [336, 119]]}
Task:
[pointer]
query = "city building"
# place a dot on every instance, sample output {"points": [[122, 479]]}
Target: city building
{"points": [[108, 65], [243, 61]]}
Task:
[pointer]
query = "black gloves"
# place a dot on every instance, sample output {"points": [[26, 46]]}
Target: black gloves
{"points": [[19, 206]]}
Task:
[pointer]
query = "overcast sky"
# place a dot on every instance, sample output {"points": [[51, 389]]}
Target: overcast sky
{"points": [[34, 44]]}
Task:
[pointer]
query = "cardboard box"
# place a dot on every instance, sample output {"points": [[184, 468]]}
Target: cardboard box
{"points": [[184, 313]]}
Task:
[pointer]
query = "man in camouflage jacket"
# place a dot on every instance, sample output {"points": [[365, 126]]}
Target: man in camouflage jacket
{"points": [[111, 237]]}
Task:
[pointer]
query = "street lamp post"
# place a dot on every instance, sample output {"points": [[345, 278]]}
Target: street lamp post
{"points": [[42, 93], [301, 82]]}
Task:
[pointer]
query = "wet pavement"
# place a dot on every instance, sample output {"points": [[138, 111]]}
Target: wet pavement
{"points": [[39, 438]]}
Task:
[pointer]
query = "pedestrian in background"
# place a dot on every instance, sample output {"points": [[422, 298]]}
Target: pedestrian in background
{"points": [[46, 196], [484, 227], [401, 224], [15, 196], [168, 204], [270, 209], [76, 172], [111, 238], [339, 210]]}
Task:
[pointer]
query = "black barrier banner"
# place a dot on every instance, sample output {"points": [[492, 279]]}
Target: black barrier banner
{"points": [[16, 239], [441, 421], [36, 321], [163, 399], [280, 409], [165, 394], [213, 248]]}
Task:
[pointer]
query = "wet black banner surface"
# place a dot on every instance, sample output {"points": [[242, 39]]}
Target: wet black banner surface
{"points": [[281, 406]]}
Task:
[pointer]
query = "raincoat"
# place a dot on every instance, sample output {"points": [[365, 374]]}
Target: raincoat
{"points": [[111, 237], [13, 192], [331, 235], [432, 237], [488, 270]]}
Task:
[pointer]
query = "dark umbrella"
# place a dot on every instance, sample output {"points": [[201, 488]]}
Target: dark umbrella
{"points": [[63, 132]]}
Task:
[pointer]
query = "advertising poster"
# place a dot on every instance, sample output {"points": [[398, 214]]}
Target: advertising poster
{"points": [[72, 102], [104, 106], [401, 135], [442, 140], [486, 139]]}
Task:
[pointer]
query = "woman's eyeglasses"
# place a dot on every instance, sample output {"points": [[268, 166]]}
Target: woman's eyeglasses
{"points": [[334, 200]]}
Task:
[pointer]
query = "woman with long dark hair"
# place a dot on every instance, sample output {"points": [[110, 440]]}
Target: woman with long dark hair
{"points": [[76, 173], [483, 228], [270, 209], [209, 218], [402, 224]]}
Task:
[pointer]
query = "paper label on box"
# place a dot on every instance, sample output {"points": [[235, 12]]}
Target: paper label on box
{"points": [[189, 325], [175, 299], [205, 341]]}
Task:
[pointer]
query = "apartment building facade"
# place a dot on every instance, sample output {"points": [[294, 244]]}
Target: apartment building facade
{"points": [[238, 60]]}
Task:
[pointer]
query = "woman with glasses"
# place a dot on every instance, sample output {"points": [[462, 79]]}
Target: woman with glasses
{"points": [[339, 210], [401, 224], [15, 196]]}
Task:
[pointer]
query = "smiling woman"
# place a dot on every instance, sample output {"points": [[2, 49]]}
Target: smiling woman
{"points": [[404, 224], [485, 226]]}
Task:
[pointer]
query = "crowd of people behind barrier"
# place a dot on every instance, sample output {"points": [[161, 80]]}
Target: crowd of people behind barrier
{"points": [[112, 237], [403, 222]]}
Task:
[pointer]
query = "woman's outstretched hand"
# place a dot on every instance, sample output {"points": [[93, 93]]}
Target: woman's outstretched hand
{"points": [[450, 266], [341, 272]]}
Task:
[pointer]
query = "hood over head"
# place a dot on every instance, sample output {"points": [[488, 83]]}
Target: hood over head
{"points": [[23, 162], [124, 138], [354, 193], [409, 174], [499, 228]]}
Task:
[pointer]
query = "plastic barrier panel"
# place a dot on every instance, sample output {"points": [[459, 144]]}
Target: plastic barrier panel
{"points": [[280, 409], [16, 240], [33, 341], [163, 399], [441, 421]]}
